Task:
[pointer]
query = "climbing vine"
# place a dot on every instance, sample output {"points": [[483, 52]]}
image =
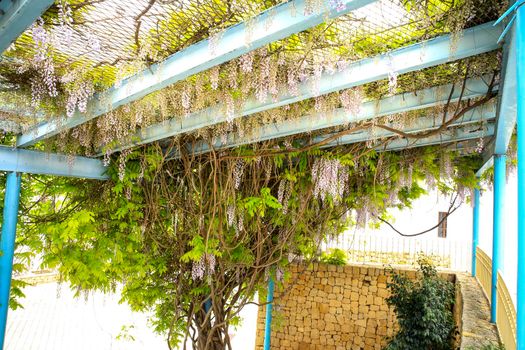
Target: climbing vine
{"points": [[178, 232], [178, 229]]}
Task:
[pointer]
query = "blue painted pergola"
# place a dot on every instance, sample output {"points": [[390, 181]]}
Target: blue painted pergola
{"points": [[499, 119]]}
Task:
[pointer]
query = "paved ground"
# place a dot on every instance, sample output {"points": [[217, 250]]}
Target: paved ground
{"points": [[477, 329], [66, 323]]}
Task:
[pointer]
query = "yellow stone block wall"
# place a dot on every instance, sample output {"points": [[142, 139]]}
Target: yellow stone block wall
{"points": [[331, 308]]}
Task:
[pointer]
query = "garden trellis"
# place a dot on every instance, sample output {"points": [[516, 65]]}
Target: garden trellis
{"points": [[85, 83]]}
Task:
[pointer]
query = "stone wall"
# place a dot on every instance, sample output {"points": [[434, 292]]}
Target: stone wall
{"points": [[38, 278], [330, 308]]}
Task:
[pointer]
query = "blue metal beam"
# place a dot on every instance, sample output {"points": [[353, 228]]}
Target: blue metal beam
{"points": [[465, 133], [26, 161], [7, 246], [277, 23], [487, 164], [476, 115], [500, 179], [473, 41], [422, 124], [17, 17], [268, 321], [456, 135], [507, 97], [520, 87], [368, 110], [507, 104]]}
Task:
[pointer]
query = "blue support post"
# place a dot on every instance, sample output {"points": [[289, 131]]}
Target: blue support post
{"points": [[520, 77], [7, 246], [207, 305], [269, 307], [475, 229], [498, 227]]}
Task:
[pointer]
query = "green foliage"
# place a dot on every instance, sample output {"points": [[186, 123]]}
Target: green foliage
{"points": [[259, 205], [334, 256], [423, 308], [174, 233], [125, 333]]}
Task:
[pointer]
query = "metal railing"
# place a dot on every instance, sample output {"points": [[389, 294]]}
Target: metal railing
{"points": [[397, 250], [506, 316], [505, 310], [484, 271]]}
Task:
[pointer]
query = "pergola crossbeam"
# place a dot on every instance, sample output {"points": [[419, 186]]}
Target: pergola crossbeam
{"points": [[277, 23], [477, 115], [17, 16], [507, 105], [368, 110], [423, 124], [36, 162], [507, 109], [440, 50], [458, 135]]}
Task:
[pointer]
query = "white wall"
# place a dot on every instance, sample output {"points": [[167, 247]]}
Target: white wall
{"points": [[424, 214]]}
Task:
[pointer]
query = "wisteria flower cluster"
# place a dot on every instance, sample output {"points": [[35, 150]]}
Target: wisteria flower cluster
{"points": [[46, 78], [337, 5], [446, 167], [237, 173], [330, 178], [79, 97], [392, 76], [205, 266], [45, 83], [284, 193], [230, 215], [351, 100]]}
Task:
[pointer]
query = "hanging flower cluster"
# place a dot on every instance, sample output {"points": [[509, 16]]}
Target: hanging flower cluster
{"points": [[351, 100], [392, 76], [337, 5], [480, 145], [65, 18], [45, 82], [430, 180], [237, 173], [230, 215], [284, 193], [79, 97], [205, 265], [329, 177], [446, 168]]}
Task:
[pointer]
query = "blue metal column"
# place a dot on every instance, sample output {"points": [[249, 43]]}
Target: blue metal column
{"points": [[269, 307], [207, 305], [475, 229], [520, 76], [498, 227], [7, 246]]}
